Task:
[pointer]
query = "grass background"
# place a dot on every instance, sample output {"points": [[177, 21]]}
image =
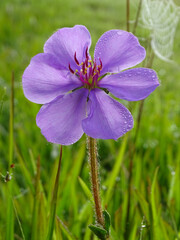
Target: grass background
{"points": [[155, 193]]}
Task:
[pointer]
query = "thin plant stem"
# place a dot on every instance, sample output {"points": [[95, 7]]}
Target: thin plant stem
{"points": [[141, 106], [132, 151], [54, 201], [93, 162], [137, 16], [10, 213], [127, 14], [19, 222]]}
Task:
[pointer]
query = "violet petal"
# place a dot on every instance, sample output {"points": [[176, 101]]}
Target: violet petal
{"points": [[118, 50], [44, 80], [60, 120], [66, 42], [131, 85], [107, 119]]}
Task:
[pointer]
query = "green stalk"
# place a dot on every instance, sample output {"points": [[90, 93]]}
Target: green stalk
{"points": [[93, 162], [10, 213], [34, 234], [54, 201], [127, 14], [137, 16], [132, 151]]}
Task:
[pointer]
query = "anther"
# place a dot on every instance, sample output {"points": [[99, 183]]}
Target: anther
{"points": [[100, 63], [71, 69], [94, 68], [75, 58]]}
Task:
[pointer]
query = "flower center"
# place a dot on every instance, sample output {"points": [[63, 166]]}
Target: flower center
{"points": [[88, 71]]}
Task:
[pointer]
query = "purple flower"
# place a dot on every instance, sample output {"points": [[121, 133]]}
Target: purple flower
{"points": [[74, 87]]}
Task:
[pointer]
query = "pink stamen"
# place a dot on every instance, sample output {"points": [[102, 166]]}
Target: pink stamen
{"points": [[82, 79], [88, 71]]}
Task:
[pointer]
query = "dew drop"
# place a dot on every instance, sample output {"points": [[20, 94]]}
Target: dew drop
{"points": [[119, 33]]}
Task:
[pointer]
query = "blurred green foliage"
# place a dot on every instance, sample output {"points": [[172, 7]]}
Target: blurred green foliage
{"points": [[155, 194]]}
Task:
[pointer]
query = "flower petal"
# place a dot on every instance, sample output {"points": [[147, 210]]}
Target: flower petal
{"points": [[132, 85], [66, 41], [118, 50], [43, 79], [60, 120], [108, 119]]}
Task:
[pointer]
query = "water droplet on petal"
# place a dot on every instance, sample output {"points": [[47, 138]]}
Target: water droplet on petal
{"points": [[119, 33]]}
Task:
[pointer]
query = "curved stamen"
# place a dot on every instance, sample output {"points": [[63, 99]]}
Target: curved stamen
{"points": [[87, 57], [71, 69], [75, 58]]}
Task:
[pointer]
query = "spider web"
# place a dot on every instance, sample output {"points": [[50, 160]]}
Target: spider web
{"points": [[161, 18]]}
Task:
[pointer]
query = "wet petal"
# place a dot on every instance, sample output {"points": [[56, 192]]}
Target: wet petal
{"points": [[132, 85], [60, 120], [66, 41], [118, 50], [108, 119], [44, 79]]}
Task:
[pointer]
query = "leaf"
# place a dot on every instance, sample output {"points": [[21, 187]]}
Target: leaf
{"points": [[107, 220], [98, 231]]}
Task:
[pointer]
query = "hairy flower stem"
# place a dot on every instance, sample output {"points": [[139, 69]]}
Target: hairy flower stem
{"points": [[93, 162]]}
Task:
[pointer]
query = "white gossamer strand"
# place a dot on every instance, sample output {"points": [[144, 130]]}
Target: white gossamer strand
{"points": [[161, 18]]}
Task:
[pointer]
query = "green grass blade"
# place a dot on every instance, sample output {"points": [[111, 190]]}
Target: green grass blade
{"points": [[54, 201], [25, 171], [65, 229], [34, 224], [144, 204], [86, 190], [112, 178], [19, 223], [2, 94], [154, 209]]}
